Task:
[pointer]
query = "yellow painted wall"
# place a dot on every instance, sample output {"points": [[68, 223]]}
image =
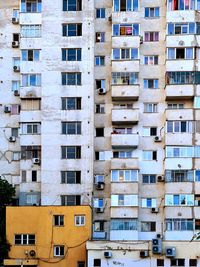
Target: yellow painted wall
{"points": [[39, 221]]}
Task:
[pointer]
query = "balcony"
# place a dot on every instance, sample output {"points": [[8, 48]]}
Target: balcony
{"points": [[121, 187], [182, 15], [124, 212], [178, 139], [28, 92], [179, 114], [124, 163], [125, 92], [124, 140], [125, 116], [176, 92], [180, 65], [123, 235], [178, 163], [33, 116], [179, 188], [186, 40], [125, 65], [126, 41], [30, 18], [27, 139]]}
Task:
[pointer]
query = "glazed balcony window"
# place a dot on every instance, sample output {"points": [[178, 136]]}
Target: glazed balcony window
{"points": [[183, 28], [125, 29], [31, 6], [127, 78], [179, 225], [179, 200], [124, 224], [183, 5], [183, 77], [125, 53], [180, 53], [125, 5], [178, 176]]}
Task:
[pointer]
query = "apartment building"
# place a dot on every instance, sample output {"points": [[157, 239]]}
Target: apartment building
{"points": [[100, 106]]}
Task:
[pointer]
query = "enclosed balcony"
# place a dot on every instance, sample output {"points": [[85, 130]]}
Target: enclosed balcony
{"points": [[176, 92], [178, 139], [125, 92], [125, 116], [179, 114], [124, 140], [125, 163]]}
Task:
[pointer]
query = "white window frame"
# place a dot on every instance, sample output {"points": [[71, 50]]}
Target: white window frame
{"points": [[124, 200], [31, 31], [124, 175], [146, 200], [57, 251], [79, 220]]}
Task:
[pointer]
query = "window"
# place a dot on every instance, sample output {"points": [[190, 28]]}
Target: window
{"points": [[100, 84], [122, 154], [152, 12], [100, 37], [24, 239], [125, 29], [197, 175], [179, 200], [99, 179], [70, 177], [16, 62], [150, 108], [16, 155], [99, 60], [98, 202], [97, 263], [126, 78], [150, 83], [71, 54], [123, 5], [15, 13], [71, 30], [122, 131], [31, 6], [71, 127], [192, 262], [15, 85], [180, 126], [99, 132], [30, 80], [150, 60], [125, 53], [183, 28], [15, 132], [181, 4], [184, 77], [31, 128], [100, 108], [160, 262], [197, 224], [72, 5], [180, 53], [15, 109], [179, 176], [148, 226], [149, 155], [34, 176], [100, 155], [100, 13], [177, 262], [71, 103], [124, 200], [70, 200], [148, 178], [23, 176], [149, 203], [124, 225], [15, 37], [30, 152], [31, 31], [151, 36], [30, 55], [32, 199], [149, 131], [124, 175], [196, 102], [79, 220], [58, 251], [71, 78], [70, 152], [58, 220], [179, 152], [99, 226], [30, 104], [175, 106], [81, 264], [179, 225]]}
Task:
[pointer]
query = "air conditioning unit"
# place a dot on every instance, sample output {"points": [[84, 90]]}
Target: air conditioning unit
{"points": [[181, 42], [102, 91], [154, 210], [7, 109], [32, 253], [110, 18], [157, 139], [141, 39], [16, 68], [170, 252], [160, 178], [15, 44], [15, 20], [16, 92], [12, 139], [100, 186], [144, 253], [99, 210], [36, 161], [157, 246], [107, 254]]}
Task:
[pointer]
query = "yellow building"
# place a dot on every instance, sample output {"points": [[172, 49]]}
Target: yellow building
{"points": [[48, 235]]}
